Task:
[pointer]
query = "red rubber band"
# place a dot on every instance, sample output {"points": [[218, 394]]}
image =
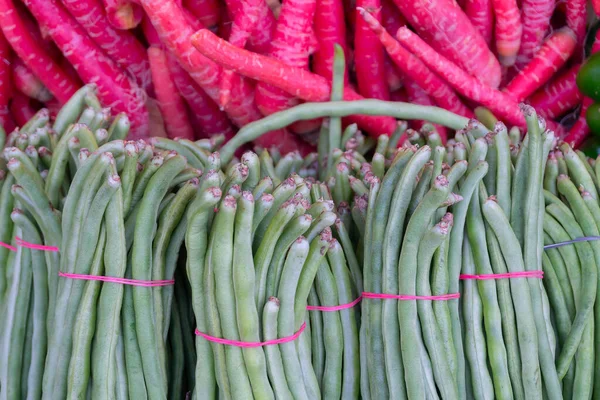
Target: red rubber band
{"points": [[34, 246], [238, 343], [386, 296], [123, 281], [335, 308], [8, 246], [520, 274]]}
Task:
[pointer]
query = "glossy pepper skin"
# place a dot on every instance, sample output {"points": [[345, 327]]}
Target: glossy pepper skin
{"points": [[592, 117], [588, 78]]}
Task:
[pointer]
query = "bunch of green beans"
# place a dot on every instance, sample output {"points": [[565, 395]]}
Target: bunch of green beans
{"points": [[258, 254], [515, 338], [572, 279], [112, 208], [407, 231]]}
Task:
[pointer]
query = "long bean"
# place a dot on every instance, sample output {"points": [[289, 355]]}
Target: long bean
{"points": [[297, 227], [474, 341], [111, 297], [79, 366], [531, 252], [141, 251], [286, 294], [509, 246], [273, 354], [264, 254], [14, 322], [489, 301], [309, 111], [331, 386], [407, 310], [39, 307], [431, 334], [246, 312], [168, 221], [351, 366], [393, 234], [509, 326], [196, 242], [469, 185], [6, 228]]}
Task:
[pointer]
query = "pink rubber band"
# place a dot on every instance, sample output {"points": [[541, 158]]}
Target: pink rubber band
{"points": [[8, 246], [368, 295], [123, 281], [335, 308], [238, 343], [520, 274], [34, 246]]}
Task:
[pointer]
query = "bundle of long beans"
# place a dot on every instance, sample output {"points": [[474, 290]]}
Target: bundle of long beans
{"points": [[100, 206], [504, 338]]}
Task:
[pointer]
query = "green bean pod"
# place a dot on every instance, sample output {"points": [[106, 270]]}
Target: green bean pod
{"points": [[492, 318], [142, 253], [250, 159], [393, 234], [509, 327], [104, 347], [508, 241], [560, 270], [172, 263], [331, 386], [273, 354], [246, 311], [6, 228], [83, 330], [14, 321], [168, 220], [578, 171], [39, 308], [264, 253], [474, 341], [281, 194], [264, 186], [136, 388], [346, 294], [431, 334], [176, 360], [467, 188], [143, 178], [286, 324], [173, 145], [407, 310], [267, 167], [296, 228], [196, 244], [556, 298]]}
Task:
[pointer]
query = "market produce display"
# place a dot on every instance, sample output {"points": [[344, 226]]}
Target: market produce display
{"points": [[234, 201]]}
